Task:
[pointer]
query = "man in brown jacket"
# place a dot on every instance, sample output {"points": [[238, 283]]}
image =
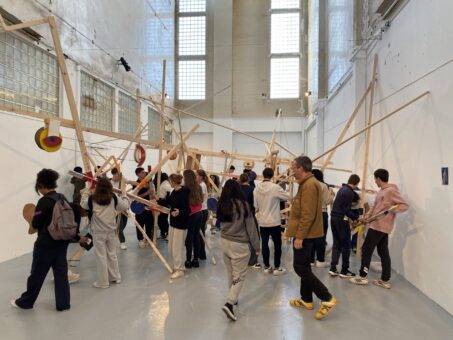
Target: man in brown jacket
{"points": [[306, 226]]}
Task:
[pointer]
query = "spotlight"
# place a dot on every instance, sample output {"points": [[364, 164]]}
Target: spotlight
{"points": [[308, 94], [123, 62]]}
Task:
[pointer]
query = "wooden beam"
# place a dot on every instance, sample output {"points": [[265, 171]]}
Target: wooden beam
{"points": [[375, 123], [69, 93], [2, 22], [348, 124], [24, 25]]}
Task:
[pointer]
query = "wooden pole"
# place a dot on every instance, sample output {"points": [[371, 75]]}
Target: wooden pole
{"points": [[375, 123], [69, 93], [348, 124], [151, 243], [24, 25], [367, 151], [2, 22]]}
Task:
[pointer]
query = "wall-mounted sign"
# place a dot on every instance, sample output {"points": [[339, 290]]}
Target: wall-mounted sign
{"points": [[444, 176]]}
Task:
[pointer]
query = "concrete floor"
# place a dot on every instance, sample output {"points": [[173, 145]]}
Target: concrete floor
{"points": [[148, 305]]}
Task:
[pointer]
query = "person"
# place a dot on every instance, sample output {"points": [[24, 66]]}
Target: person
{"points": [[104, 205], [251, 175], [121, 218], [195, 203], [319, 250], [216, 180], [247, 190], [341, 231], [179, 213], [305, 226], [79, 184], [238, 229], [379, 230], [47, 252], [146, 218], [203, 181], [267, 196], [163, 197]]}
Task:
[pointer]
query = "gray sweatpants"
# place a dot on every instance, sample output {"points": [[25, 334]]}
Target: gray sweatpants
{"points": [[236, 256], [106, 259], [176, 247]]}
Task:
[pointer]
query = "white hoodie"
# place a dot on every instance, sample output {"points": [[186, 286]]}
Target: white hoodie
{"points": [[267, 197]]}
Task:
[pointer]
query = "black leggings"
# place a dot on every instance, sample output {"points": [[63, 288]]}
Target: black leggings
{"points": [[146, 221], [193, 239], [204, 220]]}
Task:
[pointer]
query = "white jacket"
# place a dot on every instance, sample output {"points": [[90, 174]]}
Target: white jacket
{"points": [[267, 197]]}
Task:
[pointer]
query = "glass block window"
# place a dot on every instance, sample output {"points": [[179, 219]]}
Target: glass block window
{"points": [[285, 77], [341, 39], [96, 103], [191, 49], [192, 37], [28, 76], [313, 51], [153, 125], [167, 135], [127, 114], [285, 49], [285, 4], [191, 79]]}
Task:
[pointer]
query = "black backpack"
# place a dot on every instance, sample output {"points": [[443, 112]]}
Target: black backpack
{"points": [[90, 205]]}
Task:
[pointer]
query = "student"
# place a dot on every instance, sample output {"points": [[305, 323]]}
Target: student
{"points": [[179, 214], [305, 225], [104, 205], [379, 230], [319, 250], [238, 229], [47, 253], [79, 184], [203, 181], [146, 218], [195, 216], [267, 196], [121, 218], [247, 190], [341, 211], [163, 200]]}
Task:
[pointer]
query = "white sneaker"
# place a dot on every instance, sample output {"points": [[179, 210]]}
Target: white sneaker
{"points": [[73, 277], [322, 264], [268, 270], [13, 303], [213, 231], [177, 274], [123, 246], [117, 281], [96, 285], [279, 271], [312, 264], [141, 244]]}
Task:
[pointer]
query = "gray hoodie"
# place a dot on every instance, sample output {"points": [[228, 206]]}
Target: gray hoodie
{"points": [[104, 216], [241, 230], [267, 197]]}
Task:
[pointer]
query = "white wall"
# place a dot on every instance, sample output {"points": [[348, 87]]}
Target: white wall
{"points": [[126, 29], [415, 143]]}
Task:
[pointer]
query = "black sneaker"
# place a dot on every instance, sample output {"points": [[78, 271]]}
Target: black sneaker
{"points": [[333, 272], [228, 310], [195, 264], [346, 274], [188, 264]]}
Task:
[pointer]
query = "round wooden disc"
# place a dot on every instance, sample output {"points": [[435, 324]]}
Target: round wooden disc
{"points": [[37, 134], [42, 137]]}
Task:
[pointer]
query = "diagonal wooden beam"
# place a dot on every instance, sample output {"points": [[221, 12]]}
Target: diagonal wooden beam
{"points": [[22, 25]]}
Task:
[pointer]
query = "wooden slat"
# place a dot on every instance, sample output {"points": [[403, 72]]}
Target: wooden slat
{"points": [[24, 25]]}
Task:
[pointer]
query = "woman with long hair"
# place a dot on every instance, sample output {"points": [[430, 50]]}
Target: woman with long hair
{"points": [[195, 204], [47, 252], [238, 229], [179, 212], [102, 206], [202, 179]]}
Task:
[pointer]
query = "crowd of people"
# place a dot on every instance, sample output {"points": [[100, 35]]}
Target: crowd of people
{"points": [[248, 215]]}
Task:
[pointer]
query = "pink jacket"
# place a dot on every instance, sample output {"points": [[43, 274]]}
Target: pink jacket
{"points": [[388, 196]]}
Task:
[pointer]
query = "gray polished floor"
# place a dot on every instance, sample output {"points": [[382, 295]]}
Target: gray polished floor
{"points": [[148, 305]]}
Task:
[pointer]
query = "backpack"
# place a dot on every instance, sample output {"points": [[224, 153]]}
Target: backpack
{"points": [[63, 225], [90, 205]]}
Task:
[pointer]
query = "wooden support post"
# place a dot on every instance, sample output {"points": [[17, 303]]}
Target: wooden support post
{"points": [[367, 151], [151, 243], [69, 94], [24, 25], [346, 127], [375, 123]]}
